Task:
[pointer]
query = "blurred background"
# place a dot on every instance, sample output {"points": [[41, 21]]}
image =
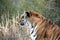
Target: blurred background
{"points": [[10, 9]]}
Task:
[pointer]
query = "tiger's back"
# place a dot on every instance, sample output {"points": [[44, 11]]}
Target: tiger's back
{"points": [[48, 30]]}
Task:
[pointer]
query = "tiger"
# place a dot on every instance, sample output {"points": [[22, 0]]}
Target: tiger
{"points": [[40, 27]]}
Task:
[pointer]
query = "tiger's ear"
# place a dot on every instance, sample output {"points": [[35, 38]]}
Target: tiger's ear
{"points": [[28, 14]]}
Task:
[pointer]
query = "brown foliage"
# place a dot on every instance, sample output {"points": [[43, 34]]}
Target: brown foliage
{"points": [[11, 31]]}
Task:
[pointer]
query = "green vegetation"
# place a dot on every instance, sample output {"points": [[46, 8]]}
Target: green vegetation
{"points": [[49, 8]]}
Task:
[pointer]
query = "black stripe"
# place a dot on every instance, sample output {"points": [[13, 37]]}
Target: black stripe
{"points": [[34, 35], [32, 31], [32, 26]]}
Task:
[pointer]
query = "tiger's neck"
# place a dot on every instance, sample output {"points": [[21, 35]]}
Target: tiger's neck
{"points": [[33, 33], [32, 30]]}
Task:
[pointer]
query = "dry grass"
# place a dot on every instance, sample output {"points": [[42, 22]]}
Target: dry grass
{"points": [[9, 30]]}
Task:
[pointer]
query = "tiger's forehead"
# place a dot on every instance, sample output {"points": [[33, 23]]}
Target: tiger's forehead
{"points": [[30, 13], [23, 15]]}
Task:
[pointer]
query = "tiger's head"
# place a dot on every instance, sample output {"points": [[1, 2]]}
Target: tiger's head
{"points": [[30, 19]]}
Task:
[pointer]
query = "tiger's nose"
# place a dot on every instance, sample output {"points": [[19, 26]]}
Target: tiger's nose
{"points": [[22, 24]]}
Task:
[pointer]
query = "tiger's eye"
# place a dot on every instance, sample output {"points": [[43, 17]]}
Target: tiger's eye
{"points": [[22, 16]]}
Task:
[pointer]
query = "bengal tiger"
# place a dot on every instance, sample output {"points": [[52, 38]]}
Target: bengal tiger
{"points": [[40, 27]]}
